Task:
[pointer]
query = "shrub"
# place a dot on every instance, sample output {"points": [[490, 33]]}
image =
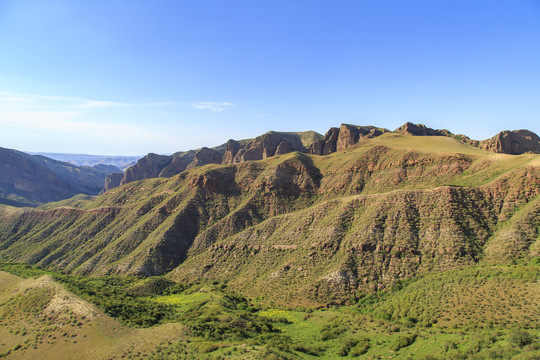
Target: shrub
{"points": [[402, 341], [359, 349], [520, 338], [314, 350], [346, 347]]}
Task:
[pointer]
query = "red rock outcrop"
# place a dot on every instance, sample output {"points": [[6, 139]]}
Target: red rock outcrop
{"points": [[147, 167], [340, 139], [205, 156], [420, 130], [112, 180], [262, 147], [513, 142]]}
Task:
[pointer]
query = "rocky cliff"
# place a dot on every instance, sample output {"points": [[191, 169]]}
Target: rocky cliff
{"points": [[262, 147], [297, 228], [335, 139], [513, 142], [338, 139], [29, 180]]}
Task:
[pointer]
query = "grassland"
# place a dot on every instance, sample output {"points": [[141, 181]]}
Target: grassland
{"points": [[480, 312], [398, 247]]}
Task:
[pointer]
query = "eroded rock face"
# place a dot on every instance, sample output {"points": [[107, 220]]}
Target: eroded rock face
{"points": [[232, 149], [205, 156], [327, 145], [337, 139], [513, 142], [112, 180], [178, 164], [352, 134], [148, 167], [420, 130], [262, 147]]}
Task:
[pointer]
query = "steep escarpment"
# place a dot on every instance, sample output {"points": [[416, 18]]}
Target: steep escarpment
{"points": [[262, 147], [335, 140], [28, 180], [147, 227], [513, 142], [338, 139], [325, 226]]}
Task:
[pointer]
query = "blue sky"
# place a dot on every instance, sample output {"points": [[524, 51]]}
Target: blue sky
{"points": [[131, 77]]}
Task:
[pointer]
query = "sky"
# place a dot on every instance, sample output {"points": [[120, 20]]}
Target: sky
{"points": [[131, 77]]}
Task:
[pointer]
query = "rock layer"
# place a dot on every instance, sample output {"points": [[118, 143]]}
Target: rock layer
{"points": [[262, 147], [344, 137], [513, 142]]}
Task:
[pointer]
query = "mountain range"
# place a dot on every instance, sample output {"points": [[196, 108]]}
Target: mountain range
{"points": [[31, 180], [298, 218]]}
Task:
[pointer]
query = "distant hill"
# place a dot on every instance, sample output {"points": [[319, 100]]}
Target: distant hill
{"points": [[121, 162], [31, 180]]}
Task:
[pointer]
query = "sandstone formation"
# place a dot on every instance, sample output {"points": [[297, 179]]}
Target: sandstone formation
{"points": [[112, 180], [179, 163], [420, 130], [262, 147], [336, 139], [340, 139], [513, 142], [357, 220], [146, 168], [205, 156]]}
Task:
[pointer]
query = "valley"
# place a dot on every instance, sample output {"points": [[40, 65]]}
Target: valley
{"points": [[394, 246]]}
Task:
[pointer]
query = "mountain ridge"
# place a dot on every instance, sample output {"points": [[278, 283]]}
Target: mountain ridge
{"points": [[30, 180], [383, 209], [336, 139]]}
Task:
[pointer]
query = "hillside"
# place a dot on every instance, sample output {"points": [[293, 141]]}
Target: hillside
{"points": [[262, 147], [297, 228], [278, 143], [27, 180], [40, 319], [438, 316]]}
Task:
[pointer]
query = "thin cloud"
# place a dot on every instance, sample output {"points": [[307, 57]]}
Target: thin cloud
{"points": [[212, 106], [69, 122], [30, 101]]}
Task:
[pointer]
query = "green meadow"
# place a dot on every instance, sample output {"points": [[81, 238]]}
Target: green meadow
{"points": [[478, 312]]}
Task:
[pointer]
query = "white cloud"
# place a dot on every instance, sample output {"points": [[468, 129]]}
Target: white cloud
{"points": [[28, 101], [212, 106], [67, 115], [69, 122]]}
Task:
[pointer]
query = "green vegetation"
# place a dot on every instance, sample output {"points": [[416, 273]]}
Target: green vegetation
{"points": [[412, 320], [397, 247]]}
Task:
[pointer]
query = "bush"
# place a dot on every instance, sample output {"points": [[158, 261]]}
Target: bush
{"points": [[520, 338], [360, 349], [402, 341], [346, 347], [314, 350]]}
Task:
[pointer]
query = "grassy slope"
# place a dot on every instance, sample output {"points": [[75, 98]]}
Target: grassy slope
{"points": [[40, 319], [390, 193], [440, 314]]}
